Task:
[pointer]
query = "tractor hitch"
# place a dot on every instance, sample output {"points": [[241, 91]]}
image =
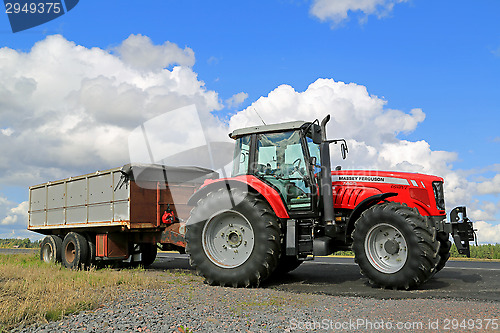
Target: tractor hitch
{"points": [[462, 230]]}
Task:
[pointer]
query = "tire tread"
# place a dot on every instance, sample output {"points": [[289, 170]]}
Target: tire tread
{"points": [[418, 269]]}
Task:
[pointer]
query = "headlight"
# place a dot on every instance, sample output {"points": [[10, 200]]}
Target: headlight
{"points": [[439, 194]]}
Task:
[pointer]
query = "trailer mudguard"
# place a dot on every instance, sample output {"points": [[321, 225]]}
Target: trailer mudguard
{"points": [[364, 205], [246, 183]]}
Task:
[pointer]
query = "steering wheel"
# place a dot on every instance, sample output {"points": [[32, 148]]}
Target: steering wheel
{"points": [[297, 168], [294, 191], [298, 164]]}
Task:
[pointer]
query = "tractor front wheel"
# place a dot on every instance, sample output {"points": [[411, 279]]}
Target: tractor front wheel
{"points": [[394, 247], [233, 238], [444, 249]]}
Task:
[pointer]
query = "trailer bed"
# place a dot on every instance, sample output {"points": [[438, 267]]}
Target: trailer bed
{"points": [[132, 197]]}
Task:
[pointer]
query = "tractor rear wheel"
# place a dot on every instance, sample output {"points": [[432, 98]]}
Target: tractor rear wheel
{"points": [[394, 247], [233, 238], [149, 252]]}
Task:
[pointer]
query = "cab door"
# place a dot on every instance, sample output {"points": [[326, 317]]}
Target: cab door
{"points": [[282, 163]]}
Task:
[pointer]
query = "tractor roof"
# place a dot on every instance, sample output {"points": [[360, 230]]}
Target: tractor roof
{"points": [[281, 127]]}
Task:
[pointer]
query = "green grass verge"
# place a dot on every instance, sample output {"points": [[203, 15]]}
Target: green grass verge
{"points": [[33, 291]]}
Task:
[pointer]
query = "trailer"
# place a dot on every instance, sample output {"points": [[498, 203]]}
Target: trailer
{"points": [[124, 213]]}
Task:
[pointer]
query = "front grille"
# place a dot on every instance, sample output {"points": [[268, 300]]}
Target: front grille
{"points": [[439, 194]]}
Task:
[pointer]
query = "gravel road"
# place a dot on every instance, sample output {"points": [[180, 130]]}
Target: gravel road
{"points": [[188, 302]]}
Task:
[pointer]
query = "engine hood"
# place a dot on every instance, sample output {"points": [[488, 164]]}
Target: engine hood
{"points": [[387, 177]]}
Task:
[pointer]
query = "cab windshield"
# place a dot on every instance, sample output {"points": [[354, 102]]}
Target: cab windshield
{"points": [[281, 162]]}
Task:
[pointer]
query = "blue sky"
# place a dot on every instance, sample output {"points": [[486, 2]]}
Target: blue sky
{"points": [[442, 57]]}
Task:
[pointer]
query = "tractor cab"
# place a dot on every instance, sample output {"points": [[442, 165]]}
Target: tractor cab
{"points": [[285, 156]]}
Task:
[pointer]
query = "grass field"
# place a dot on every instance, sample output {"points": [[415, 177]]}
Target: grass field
{"points": [[33, 291]]}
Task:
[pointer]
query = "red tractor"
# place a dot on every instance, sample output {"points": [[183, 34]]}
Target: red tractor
{"points": [[283, 205]]}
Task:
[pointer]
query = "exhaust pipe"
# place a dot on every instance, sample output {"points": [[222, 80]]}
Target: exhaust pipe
{"points": [[323, 127], [326, 190]]}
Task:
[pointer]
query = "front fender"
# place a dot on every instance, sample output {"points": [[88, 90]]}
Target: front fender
{"points": [[364, 205], [246, 183]]}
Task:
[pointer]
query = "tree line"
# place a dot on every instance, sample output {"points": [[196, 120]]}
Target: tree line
{"points": [[12, 243], [484, 251]]}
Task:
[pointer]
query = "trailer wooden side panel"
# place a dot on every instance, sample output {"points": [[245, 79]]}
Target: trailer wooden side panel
{"points": [[115, 198], [88, 200]]}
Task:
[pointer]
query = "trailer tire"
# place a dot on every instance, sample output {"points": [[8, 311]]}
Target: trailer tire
{"points": [[230, 244], [92, 250], [394, 246], [50, 249], [149, 252], [444, 249], [75, 251]]}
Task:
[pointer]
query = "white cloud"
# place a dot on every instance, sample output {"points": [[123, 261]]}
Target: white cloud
{"points": [[17, 215], [490, 186], [14, 219], [73, 107], [236, 100], [7, 131], [361, 118], [487, 232], [484, 210], [4, 202], [356, 114], [140, 52], [337, 11]]}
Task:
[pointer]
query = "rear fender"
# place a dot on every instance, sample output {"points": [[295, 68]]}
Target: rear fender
{"points": [[245, 183], [364, 205]]}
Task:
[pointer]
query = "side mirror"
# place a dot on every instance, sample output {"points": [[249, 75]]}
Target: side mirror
{"points": [[343, 147], [344, 150]]}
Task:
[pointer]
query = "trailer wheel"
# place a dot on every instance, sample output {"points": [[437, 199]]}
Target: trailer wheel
{"points": [[75, 251], [92, 250], [233, 245], [394, 247], [50, 249], [149, 252], [444, 249]]}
